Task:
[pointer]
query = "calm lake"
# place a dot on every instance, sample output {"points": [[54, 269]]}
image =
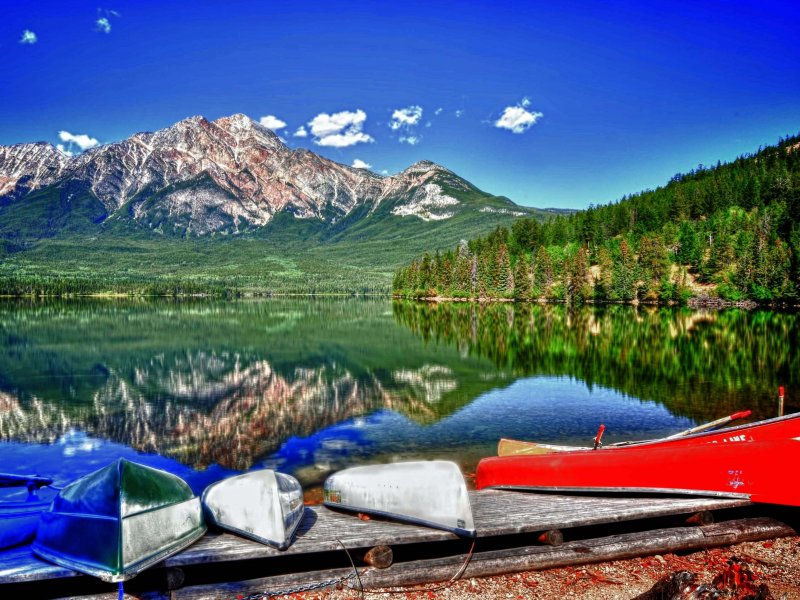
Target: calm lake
{"points": [[209, 388]]}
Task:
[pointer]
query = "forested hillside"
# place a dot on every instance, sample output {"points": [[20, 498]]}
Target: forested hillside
{"points": [[732, 230]]}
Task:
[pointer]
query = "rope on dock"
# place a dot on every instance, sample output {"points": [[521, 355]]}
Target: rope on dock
{"points": [[313, 586]]}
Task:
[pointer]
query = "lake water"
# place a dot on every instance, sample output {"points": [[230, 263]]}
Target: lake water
{"points": [[209, 388]]}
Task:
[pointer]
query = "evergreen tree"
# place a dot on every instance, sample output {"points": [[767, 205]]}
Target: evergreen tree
{"points": [[522, 279]]}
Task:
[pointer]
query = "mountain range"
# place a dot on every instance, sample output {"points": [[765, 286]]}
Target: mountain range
{"points": [[229, 178]]}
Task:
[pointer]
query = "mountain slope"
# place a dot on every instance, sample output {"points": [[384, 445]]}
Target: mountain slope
{"points": [[181, 191], [732, 231]]}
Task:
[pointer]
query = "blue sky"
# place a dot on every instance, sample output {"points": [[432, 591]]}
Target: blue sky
{"points": [[549, 103]]}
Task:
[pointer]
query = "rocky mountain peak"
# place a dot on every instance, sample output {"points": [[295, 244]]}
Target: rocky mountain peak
{"points": [[230, 174]]}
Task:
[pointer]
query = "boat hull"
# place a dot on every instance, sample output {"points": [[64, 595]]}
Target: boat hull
{"points": [[20, 509], [19, 521], [264, 506], [745, 469], [431, 493], [118, 521]]}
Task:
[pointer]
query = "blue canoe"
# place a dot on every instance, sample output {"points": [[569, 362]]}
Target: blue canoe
{"points": [[119, 520]]}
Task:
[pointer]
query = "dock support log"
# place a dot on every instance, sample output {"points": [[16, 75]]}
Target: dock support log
{"points": [[380, 557], [551, 537], [511, 560], [704, 517]]}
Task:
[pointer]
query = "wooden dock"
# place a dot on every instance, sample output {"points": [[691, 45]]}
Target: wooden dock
{"points": [[516, 531]]}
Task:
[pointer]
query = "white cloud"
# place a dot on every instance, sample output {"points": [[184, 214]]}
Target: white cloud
{"points": [[103, 21], [458, 113], [526, 102], [438, 111], [517, 119], [405, 121], [63, 150], [324, 124], [340, 130], [384, 172], [272, 122], [103, 25], [360, 164], [28, 37], [406, 117], [81, 140], [301, 132], [343, 140]]}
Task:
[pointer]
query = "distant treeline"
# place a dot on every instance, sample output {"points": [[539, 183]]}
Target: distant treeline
{"points": [[59, 285], [731, 230]]}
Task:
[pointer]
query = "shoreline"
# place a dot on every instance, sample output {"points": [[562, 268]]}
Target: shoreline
{"points": [[695, 302], [774, 563]]}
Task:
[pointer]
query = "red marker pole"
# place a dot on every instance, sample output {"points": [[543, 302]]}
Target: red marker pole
{"points": [[780, 401]]}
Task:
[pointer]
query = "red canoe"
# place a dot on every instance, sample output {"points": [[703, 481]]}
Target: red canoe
{"points": [[754, 461]]}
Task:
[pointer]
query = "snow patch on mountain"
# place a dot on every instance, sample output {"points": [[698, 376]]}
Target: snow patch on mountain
{"points": [[425, 200]]}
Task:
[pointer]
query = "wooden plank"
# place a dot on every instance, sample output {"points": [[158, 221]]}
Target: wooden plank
{"points": [[515, 559], [503, 512], [496, 513]]}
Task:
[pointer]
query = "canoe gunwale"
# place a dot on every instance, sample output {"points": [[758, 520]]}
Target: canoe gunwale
{"points": [[470, 533], [536, 448], [257, 538], [12, 509], [620, 490]]}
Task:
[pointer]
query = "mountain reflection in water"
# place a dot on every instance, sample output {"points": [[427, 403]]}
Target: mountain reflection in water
{"points": [[311, 386]]}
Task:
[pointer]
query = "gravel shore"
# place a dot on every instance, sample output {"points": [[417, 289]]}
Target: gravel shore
{"points": [[735, 572]]}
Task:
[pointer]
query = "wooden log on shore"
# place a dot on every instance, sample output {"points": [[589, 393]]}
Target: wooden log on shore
{"points": [[703, 517], [510, 560], [551, 537], [380, 557]]}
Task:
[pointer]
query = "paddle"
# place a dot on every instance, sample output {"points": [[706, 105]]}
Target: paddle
{"points": [[734, 417], [598, 437], [516, 447]]}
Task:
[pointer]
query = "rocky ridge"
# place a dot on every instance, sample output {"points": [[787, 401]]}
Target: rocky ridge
{"points": [[227, 175]]}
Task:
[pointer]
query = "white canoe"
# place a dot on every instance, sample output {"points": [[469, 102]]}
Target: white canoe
{"points": [[264, 506], [431, 493]]}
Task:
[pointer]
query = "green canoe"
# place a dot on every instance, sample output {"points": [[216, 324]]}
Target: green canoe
{"points": [[118, 521]]}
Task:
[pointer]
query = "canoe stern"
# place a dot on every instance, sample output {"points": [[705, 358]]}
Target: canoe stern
{"points": [[264, 506], [430, 493], [104, 524]]}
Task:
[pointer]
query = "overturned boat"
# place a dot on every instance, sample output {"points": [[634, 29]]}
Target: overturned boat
{"points": [[431, 493], [118, 521], [739, 462], [20, 510], [264, 506]]}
